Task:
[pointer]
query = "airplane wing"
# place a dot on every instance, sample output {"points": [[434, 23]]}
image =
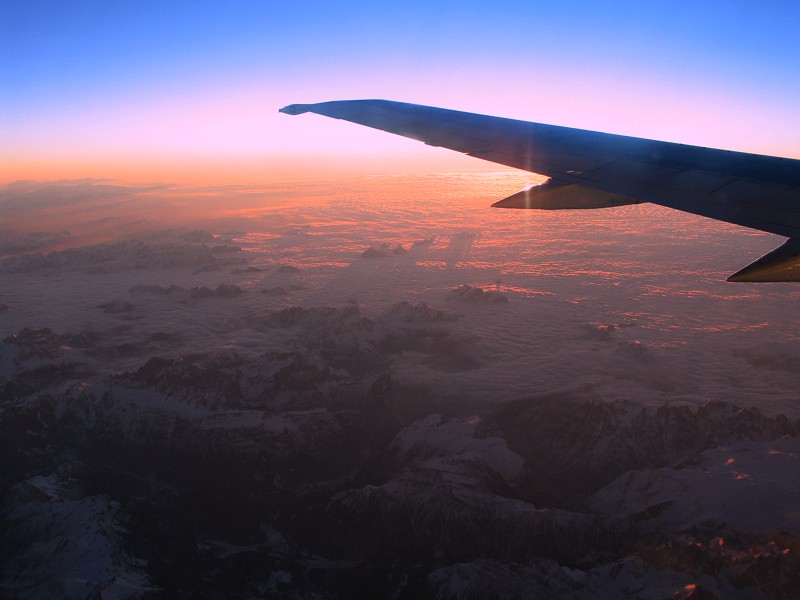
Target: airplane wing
{"points": [[589, 169]]}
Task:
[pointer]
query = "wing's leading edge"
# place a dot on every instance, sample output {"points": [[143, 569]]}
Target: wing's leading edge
{"points": [[589, 169]]}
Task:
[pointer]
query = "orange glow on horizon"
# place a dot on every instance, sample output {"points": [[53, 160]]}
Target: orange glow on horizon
{"points": [[216, 170]]}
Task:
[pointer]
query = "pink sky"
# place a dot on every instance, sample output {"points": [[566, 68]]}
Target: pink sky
{"points": [[191, 94]]}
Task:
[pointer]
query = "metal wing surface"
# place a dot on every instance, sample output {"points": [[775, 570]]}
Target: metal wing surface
{"points": [[589, 169]]}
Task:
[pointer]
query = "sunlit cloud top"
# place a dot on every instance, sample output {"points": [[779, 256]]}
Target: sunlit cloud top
{"points": [[133, 89]]}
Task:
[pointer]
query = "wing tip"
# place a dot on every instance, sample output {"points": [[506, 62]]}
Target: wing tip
{"points": [[295, 109]]}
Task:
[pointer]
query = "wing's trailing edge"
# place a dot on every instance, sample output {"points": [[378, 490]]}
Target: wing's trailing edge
{"points": [[589, 169]]}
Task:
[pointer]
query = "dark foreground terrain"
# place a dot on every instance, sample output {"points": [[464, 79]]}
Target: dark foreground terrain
{"points": [[312, 474]]}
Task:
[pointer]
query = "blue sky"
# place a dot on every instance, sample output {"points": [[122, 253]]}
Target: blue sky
{"points": [[184, 81]]}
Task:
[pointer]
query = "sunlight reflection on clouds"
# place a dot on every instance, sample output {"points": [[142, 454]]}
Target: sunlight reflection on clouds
{"points": [[651, 279]]}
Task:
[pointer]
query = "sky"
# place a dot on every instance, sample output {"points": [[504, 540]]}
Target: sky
{"points": [[189, 91]]}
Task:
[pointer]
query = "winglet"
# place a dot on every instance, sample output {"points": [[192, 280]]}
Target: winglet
{"points": [[782, 264]]}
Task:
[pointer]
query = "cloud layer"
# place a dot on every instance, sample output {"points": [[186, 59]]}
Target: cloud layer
{"points": [[389, 374]]}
